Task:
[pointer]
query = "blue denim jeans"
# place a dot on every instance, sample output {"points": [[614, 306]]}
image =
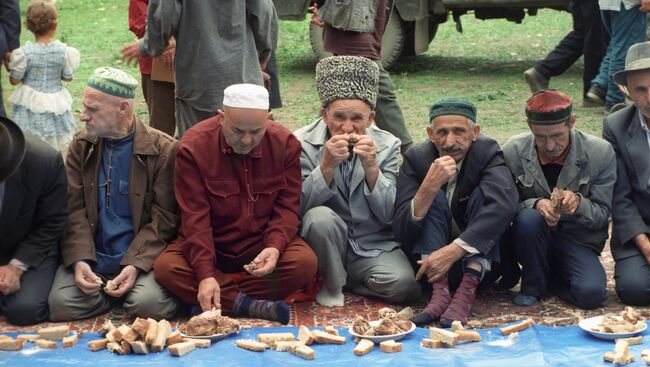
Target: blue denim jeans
{"points": [[625, 28]]}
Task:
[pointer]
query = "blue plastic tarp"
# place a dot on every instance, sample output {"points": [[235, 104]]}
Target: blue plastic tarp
{"points": [[537, 346]]}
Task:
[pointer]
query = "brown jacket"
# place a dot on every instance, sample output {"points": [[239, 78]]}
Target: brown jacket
{"points": [[151, 197]]}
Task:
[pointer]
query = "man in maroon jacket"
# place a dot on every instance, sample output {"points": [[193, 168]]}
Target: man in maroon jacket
{"points": [[238, 185]]}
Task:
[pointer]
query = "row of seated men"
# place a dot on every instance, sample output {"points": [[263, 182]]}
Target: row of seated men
{"points": [[242, 214]]}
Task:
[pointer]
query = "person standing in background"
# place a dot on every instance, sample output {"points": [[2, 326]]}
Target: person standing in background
{"points": [[9, 35]]}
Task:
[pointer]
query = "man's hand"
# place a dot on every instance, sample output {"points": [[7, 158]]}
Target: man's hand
{"points": [[366, 149], [645, 6], [336, 151], [438, 263], [315, 19], [123, 282], [168, 58], [209, 295], [264, 263], [643, 244], [570, 202], [9, 279], [131, 52], [6, 59], [545, 208], [87, 281], [441, 171]]}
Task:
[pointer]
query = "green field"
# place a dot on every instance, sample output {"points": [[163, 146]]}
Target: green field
{"points": [[483, 64]]}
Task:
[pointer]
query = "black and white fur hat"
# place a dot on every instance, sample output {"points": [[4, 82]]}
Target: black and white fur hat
{"points": [[347, 77]]}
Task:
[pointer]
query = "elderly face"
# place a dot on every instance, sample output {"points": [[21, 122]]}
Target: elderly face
{"points": [[552, 140], [452, 135], [638, 86], [102, 114], [243, 128], [347, 116]]}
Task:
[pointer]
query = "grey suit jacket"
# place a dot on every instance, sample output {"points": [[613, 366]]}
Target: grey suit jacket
{"points": [[589, 170], [631, 209], [367, 214]]}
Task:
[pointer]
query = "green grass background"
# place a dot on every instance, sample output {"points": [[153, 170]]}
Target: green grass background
{"points": [[483, 64]]}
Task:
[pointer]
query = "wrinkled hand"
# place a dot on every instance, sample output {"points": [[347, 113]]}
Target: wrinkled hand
{"points": [[545, 208], [336, 151], [645, 6], [168, 58], [438, 263], [131, 52], [570, 202], [643, 244], [264, 263], [87, 281], [123, 282], [366, 149], [9, 279], [315, 19], [6, 59], [209, 295], [441, 171]]}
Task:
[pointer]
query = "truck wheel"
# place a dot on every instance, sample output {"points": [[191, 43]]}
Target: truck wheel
{"points": [[391, 45]]}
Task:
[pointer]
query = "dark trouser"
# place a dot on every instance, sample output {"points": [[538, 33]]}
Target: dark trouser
{"points": [[587, 38], [160, 102], [632, 276], [437, 233], [28, 305], [295, 270], [389, 115], [570, 271], [275, 99]]}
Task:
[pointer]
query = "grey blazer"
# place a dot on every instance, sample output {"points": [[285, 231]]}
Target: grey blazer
{"points": [[589, 170], [631, 209], [367, 214]]}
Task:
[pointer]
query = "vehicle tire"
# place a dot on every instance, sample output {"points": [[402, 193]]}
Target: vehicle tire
{"points": [[391, 45], [409, 43]]}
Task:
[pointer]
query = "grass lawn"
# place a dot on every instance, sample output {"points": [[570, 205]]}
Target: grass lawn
{"points": [[483, 64]]}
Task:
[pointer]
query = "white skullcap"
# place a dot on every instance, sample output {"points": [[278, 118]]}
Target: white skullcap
{"points": [[246, 96]]}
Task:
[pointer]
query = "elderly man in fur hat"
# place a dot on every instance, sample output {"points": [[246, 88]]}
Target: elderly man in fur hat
{"points": [[349, 169], [565, 180]]}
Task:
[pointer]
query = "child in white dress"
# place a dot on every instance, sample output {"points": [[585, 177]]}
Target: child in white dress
{"points": [[41, 105]]}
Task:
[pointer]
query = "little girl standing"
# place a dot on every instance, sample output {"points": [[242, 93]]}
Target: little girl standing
{"points": [[41, 105]]}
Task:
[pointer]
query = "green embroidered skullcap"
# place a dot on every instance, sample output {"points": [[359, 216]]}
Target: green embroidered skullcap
{"points": [[347, 77], [113, 81], [453, 106], [549, 107]]}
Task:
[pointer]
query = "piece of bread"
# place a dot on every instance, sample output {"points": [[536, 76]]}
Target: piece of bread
{"points": [[331, 330], [164, 329], [99, 344], [364, 347], [251, 345], [305, 335], [70, 341], [468, 336], [140, 326], [126, 346], [457, 325], [646, 360], [445, 336], [139, 347], [325, 338], [181, 349], [173, 338], [54, 332], [124, 332], [303, 351], [285, 345], [517, 327], [431, 343], [390, 346], [106, 327], [513, 336], [10, 344], [116, 348], [152, 331], [110, 286], [199, 343], [270, 338], [28, 337], [45, 344], [632, 341], [111, 336]]}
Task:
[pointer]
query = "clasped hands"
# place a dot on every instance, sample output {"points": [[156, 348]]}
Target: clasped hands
{"points": [[568, 204]]}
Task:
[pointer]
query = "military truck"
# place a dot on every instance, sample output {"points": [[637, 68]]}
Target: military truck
{"points": [[413, 23]]}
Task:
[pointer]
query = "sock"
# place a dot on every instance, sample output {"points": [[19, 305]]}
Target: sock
{"points": [[329, 298], [440, 299], [262, 309], [461, 305]]}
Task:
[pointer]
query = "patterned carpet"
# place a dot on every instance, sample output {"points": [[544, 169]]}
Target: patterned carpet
{"points": [[492, 308]]}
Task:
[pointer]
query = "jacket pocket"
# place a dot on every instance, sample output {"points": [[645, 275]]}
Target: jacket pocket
{"points": [[224, 198], [265, 192], [525, 186], [122, 205]]}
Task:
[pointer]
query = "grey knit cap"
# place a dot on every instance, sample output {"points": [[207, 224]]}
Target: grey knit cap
{"points": [[347, 77]]}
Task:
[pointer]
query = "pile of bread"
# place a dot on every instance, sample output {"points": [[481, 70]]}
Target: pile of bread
{"points": [[629, 320], [45, 338], [287, 342]]}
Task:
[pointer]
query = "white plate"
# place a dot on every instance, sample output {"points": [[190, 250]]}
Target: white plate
{"points": [[593, 322], [381, 338], [213, 338]]}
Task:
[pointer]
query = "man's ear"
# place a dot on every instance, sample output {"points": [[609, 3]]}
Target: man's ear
{"points": [[371, 118], [125, 106], [572, 122], [323, 112], [220, 113], [430, 132], [477, 130]]}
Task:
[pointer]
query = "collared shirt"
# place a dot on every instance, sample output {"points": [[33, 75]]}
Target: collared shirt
{"points": [[114, 224], [233, 206], [615, 5], [644, 127]]}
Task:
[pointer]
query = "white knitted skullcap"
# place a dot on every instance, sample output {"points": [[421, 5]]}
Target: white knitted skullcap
{"points": [[246, 96]]}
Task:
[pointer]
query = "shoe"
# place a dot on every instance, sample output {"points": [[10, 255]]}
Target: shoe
{"points": [[461, 305], [440, 298], [614, 108], [536, 81], [595, 96], [524, 300]]}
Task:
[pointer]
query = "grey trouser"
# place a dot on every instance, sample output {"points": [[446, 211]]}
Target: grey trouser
{"points": [[388, 276], [187, 116], [389, 115], [146, 299]]}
